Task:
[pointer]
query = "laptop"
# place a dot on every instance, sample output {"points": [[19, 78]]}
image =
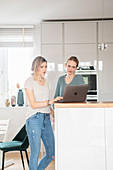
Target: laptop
{"points": [[75, 93]]}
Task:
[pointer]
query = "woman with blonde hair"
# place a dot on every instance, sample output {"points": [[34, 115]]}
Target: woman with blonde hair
{"points": [[38, 123]]}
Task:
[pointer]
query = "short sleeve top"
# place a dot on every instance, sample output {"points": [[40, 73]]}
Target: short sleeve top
{"points": [[41, 93]]}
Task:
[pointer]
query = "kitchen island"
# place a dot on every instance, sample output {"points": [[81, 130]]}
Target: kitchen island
{"points": [[84, 136]]}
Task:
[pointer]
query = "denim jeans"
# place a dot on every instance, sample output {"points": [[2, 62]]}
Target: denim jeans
{"points": [[39, 127]]}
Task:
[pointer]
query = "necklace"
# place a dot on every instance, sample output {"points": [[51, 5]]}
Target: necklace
{"points": [[40, 79]]}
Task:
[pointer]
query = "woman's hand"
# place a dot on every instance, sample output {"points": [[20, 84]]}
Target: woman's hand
{"points": [[56, 99]]}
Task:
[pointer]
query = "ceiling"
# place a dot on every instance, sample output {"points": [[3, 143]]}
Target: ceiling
{"points": [[34, 11]]}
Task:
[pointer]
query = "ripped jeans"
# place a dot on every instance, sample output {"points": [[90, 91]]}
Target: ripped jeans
{"points": [[39, 127]]}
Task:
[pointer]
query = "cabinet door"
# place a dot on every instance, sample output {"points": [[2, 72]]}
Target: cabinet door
{"points": [[106, 62], [80, 141], [106, 30], [105, 74], [53, 54], [86, 53], [80, 32], [109, 138], [51, 33]]}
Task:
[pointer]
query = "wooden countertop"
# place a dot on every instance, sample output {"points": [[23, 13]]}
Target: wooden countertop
{"points": [[88, 104]]}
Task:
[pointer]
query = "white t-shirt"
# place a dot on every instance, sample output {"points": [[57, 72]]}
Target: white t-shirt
{"points": [[41, 93]]}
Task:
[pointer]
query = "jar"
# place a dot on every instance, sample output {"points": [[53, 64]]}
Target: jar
{"points": [[13, 101], [7, 103]]}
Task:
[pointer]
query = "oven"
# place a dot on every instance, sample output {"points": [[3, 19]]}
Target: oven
{"points": [[90, 78]]}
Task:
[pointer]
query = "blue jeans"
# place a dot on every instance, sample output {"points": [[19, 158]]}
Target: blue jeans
{"points": [[39, 127]]}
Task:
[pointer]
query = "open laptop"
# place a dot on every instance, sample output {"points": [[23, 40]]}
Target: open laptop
{"points": [[75, 93]]}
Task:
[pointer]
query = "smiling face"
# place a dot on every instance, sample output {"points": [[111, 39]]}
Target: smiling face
{"points": [[71, 66], [42, 69]]}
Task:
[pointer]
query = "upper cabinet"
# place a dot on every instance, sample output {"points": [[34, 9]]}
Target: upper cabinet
{"points": [[51, 33], [85, 52], [105, 31], [80, 32]]}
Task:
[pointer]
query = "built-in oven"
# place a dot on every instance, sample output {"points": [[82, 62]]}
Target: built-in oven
{"points": [[90, 78]]}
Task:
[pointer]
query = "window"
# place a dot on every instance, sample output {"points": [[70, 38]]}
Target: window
{"points": [[15, 60]]}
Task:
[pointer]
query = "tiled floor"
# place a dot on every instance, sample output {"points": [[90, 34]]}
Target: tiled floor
{"points": [[18, 164]]}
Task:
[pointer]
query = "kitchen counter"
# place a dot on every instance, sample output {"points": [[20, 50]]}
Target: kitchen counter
{"points": [[88, 104], [84, 136]]}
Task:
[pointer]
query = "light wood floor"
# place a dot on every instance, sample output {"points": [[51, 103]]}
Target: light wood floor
{"points": [[18, 163]]}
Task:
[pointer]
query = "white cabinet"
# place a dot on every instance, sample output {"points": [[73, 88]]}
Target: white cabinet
{"points": [[80, 140], [109, 137], [80, 32]]}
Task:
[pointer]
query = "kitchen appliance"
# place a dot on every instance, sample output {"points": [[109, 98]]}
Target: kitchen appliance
{"points": [[90, 77]]}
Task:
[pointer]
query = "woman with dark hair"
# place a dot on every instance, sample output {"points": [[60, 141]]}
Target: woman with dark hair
{"points": [[71, 78], [38, 123]]}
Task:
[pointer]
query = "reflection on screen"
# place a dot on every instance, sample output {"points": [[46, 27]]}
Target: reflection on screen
{"points": [[85, 80]]}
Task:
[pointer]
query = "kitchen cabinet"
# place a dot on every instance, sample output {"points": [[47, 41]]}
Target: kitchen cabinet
{"points": [[109, 137], [80, 32], [84, 136], [105, 60], [53, 54], [85, 52], [80, 138], [51, 33], [105, 30], [80, 40], [52, 50], [59, 41]]}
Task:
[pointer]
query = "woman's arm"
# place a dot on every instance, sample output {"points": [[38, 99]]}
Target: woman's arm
{"points": [[34, 104]]}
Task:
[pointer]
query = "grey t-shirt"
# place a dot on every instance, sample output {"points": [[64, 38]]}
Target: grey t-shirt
{"points": [[41, 93]]}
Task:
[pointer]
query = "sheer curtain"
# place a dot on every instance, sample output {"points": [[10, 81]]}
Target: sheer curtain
{"points": [[16, 54]]}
